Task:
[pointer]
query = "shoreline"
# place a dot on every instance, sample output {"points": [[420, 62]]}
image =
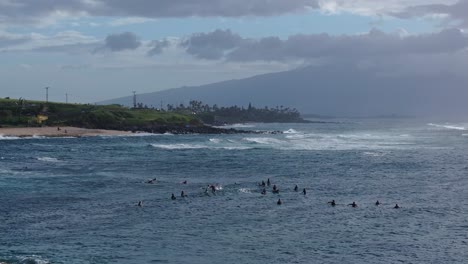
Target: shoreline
{"points": [[66, 131]]}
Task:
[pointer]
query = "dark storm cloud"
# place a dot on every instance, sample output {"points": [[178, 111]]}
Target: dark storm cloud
{"points": [[227, 45], [457, 12], [122, 41], [27, 11], [157, 47], [212, 45]]}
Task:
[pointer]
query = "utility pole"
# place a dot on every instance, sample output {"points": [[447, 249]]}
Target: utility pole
{"points": [[47, 94], [66, 98], [134, 99]]}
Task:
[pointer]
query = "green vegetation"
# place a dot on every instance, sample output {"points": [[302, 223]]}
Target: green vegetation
{"points": [[20, 112], [235, 114], [180, 119]]}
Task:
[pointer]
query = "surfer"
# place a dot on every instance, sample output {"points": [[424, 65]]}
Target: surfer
{"points": [[332, 203], [268, 182], [173, 197], [184, 182], [296, 188], [182, 194], [304, 191], [140, 203], [396, 206], [151, 181], [263, 191], [275, 189], [279, 202], [263, 184], [377, 203], [353, 204], [213, 188]]}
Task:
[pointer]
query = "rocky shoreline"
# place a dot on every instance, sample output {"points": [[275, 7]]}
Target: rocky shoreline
{"points": [[181, 130]]}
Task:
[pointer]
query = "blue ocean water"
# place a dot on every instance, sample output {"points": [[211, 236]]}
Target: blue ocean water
{"points": [[73, 200]]}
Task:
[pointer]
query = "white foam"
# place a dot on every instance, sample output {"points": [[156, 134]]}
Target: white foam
{"points": [[245, 190], [237, 126], [447, 126], [263, 140], [2, 137], [215, 140], [197, 146], [291, 131], [48, 159], [178, 146]]}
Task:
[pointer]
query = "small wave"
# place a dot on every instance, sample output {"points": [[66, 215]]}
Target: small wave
{"points": [[373, 154], [2, 137], [447, 126], [263, 140], [215, 140], [195, 146], [245, 190], [33, 259], [48, 159], [178, 146], [291, 131], [237, 126]]}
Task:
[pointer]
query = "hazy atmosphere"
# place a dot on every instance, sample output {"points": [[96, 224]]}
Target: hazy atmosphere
{"points": [[233, 131], [98, 50]]}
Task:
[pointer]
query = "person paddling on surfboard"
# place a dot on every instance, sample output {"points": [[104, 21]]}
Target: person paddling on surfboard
{"points": [[332, 203]]}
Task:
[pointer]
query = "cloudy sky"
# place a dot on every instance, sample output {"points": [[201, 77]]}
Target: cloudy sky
{"points": [[100, 49]]}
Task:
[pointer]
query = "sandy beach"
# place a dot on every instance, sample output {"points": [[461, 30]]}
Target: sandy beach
{"points": [[55, 132]]}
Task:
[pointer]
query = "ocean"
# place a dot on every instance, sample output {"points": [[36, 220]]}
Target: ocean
{"points": [[74, 200]]}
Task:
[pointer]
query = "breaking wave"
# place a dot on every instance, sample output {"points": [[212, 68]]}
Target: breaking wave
{"points": [[447, 126], [197, 146]]}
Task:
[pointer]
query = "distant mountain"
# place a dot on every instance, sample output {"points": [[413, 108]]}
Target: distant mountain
{"points": [[333, 91]]}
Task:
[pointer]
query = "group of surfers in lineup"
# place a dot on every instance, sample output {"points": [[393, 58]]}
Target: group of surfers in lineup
{"points": [[263, 192]]}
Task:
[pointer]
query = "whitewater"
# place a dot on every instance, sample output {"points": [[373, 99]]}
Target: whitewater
{"points": [[74, 200]]}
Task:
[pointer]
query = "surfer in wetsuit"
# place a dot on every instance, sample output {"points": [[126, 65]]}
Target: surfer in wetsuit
{"points": [[332, 203], [140, 204], [263, 191], [173, 197], [353, 204], [396, 206], [377, 203], [296, 188], [182, 194], [263, 184], [151, 181], [304, 191], [275, 189], [268, 182], [279, 202], [184, 182], [213, 188]]}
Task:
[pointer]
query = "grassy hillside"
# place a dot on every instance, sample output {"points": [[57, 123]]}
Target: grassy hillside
{"points": [[18, 112]]}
